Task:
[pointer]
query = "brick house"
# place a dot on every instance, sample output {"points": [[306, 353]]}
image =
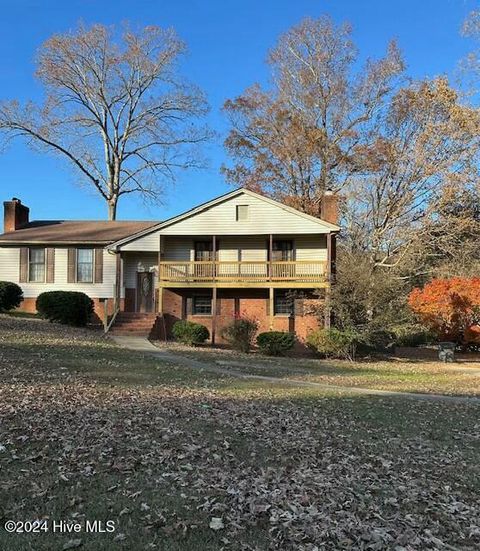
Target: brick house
{"points": [[239, 254]]}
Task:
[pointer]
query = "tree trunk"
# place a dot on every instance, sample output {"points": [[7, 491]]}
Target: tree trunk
{"points": [[112, 208]]}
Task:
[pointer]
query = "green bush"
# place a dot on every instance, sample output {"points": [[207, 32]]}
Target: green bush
{"points": [[67, 307], [333, 343], [275, 343], [240, 333], [11, 295], [190, 333], [375, 340], [412, 335]]}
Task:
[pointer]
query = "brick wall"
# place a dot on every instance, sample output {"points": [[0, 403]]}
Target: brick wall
{"points": [[253, 303]]}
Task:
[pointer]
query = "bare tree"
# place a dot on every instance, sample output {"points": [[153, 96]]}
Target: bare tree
{"points": [[116, 109], [296, 139], [424, 143]]}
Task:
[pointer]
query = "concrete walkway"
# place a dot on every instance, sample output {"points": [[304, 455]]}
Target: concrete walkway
{"points": [[140, 344]]}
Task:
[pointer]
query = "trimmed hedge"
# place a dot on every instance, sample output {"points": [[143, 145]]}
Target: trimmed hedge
{"points": [[190, 333], [11, 295], [275, 343], [67, 307]]}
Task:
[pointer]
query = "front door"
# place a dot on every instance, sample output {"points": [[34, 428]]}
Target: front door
{"points": [[204, 255], [144, 292], [283, 253]]}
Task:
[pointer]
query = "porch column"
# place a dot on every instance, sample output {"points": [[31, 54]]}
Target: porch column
{"points": [[160, 299], [214, 313], [160, 288], [271, 306], [118, 281], [270, 256], [329, 278], [214, 255]]}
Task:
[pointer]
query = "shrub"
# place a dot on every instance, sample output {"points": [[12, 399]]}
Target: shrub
{"points": [[67, 307], [190, 333], [275, 343], [11, 295], [448, 307], [375, 340], [240, 333], [411, 335], [333, 343]]}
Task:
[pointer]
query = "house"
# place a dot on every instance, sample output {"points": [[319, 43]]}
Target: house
{"points": [[239, 254]]}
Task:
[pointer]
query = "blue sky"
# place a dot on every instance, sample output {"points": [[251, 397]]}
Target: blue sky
{"points": [[228, 42]]}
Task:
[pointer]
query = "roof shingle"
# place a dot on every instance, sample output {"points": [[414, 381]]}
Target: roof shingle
{"points": [[74, 231]]}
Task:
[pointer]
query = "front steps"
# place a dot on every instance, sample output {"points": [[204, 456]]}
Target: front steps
{"points": [[135, 324]]}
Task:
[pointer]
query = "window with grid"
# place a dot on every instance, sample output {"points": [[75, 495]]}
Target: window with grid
{"points": [[85, 265], [283, 304], [36, 265], [201, 305]]}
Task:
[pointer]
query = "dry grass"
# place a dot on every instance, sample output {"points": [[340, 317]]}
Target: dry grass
{"points": [[412, 371], [89, 431]]}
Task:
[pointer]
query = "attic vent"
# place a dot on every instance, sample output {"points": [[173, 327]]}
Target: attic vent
{"points": [[242, 213]]}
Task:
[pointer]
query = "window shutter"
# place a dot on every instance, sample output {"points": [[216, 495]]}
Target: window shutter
{"points": [[23, 275], [72, 266], [98, 265], [219, 308], [50, 259], [267, 302]]}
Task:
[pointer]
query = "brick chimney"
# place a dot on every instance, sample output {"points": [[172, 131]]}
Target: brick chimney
{"points": [[15, 215], [329, 207]]}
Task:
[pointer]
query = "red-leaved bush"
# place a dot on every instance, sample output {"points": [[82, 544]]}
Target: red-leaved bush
{"points": [[448, 307]]}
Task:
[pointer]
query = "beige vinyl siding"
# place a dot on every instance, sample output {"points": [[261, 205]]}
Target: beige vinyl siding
{"points": [[253, 249], [10, 268], [149, 242], [263, 218], [310, 247], [179, 249]]}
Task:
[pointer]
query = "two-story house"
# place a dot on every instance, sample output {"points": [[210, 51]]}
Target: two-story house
{"points": [[241, 254]]}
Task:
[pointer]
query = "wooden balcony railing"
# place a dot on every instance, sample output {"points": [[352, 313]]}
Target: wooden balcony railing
{"points": [[244, 271]]}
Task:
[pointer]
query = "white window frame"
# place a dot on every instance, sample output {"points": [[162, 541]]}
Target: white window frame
{"points": [[77, 263], [30, 280]]}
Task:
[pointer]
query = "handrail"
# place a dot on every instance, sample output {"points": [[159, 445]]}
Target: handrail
{"points": [[246, 270], [112, 321]]}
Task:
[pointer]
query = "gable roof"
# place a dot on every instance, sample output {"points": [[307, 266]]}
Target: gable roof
{"points": [[82, 232], [222, 198]]}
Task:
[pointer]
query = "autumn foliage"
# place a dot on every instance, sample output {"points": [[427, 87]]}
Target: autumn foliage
{"points": [[450, 308]]}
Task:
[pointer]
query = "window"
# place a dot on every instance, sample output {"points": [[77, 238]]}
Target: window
{"points": [[203, 251], [202, 305], [242, 213], [282, 251], [36, 265], [85, 265], [283, 304]]}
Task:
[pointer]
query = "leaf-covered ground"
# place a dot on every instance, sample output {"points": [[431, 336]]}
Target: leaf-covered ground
{"points": [[187, 460], [410, 373]]}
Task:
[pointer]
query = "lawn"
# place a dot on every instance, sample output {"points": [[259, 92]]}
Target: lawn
{"points": [[408, 372], [191, 460]]}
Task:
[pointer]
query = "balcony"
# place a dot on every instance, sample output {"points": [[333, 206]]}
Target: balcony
{"points": [[302, 273]]}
